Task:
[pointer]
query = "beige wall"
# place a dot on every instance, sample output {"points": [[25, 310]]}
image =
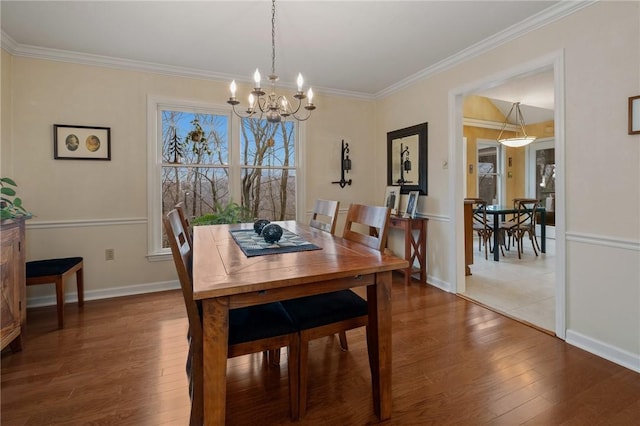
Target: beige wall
{"points": [[6, 167], [85, 207], [601, 49]]}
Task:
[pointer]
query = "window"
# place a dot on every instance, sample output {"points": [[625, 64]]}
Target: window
{"points": [[490, 172], [205, 157], [268, 169]]}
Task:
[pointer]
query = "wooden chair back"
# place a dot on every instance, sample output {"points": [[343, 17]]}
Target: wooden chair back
{"points": [[376, 218], [180, 207], [480, 224], [182, 253], [480, 213], [182, 257], [325, 215], [526, 212]]}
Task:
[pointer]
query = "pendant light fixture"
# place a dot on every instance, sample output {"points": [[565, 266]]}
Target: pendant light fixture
{"points": [[273, 107], [516, 141]]}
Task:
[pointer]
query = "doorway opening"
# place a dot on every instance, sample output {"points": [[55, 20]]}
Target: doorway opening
{"points": [[508, 276]]}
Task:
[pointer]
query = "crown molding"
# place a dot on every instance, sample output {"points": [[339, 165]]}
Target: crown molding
{"points": [[558, 11], [545, 17], [8, 43], [486, 124], [36, 52]]}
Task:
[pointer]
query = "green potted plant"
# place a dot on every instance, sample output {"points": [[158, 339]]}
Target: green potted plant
{"points": [[10, 205], [231, 213]]}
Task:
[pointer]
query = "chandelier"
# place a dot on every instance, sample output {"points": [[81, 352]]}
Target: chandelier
{"points": [[273, 106], [516, 141]]}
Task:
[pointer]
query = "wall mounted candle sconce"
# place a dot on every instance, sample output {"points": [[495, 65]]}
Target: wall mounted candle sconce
{"points": [[345, 165]]}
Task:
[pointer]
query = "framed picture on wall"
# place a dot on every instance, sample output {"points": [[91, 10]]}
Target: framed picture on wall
{"points": [[412, 204], [81, 142], [634, 115], [392, 198]]}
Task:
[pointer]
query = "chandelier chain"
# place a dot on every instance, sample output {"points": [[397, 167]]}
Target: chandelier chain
{"points": [[273, 37]]}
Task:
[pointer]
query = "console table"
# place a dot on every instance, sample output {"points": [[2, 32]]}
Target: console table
{"points": [[415, 247]]}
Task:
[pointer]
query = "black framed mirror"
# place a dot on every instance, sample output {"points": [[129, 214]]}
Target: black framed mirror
{"points": [[407, 159]]}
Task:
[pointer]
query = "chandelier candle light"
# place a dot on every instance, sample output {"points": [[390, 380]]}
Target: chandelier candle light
{"points": [[275, 107], [516, 141]]}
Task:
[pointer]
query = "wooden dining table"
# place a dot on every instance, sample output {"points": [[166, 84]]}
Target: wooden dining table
{"points": [[225, 278]]}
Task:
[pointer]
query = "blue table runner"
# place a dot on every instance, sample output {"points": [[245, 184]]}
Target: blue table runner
{"points": [[253, 244]]}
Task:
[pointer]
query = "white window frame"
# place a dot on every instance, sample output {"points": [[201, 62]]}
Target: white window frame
{"points": [[500, 178], [155, 252]]}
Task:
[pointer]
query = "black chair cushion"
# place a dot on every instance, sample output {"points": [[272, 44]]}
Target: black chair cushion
{"points": [[322, 309], [259, 322], [43, 268]]}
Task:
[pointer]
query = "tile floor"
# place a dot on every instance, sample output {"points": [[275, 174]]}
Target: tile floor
{"points": [[522, 288]]}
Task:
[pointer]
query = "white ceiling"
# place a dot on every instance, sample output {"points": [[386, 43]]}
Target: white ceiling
{"points": [[361, 48]]}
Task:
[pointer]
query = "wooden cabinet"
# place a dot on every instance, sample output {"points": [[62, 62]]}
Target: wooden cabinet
{"points": [[13, 295], [415, 246]]}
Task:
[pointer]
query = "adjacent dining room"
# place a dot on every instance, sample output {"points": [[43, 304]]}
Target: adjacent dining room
{"points": [[513, 272]]}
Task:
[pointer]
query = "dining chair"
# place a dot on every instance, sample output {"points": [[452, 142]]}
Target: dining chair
{"points": [[332, 313], [523, 223], [251, 329], [182, 212], [325, 215], [481, 226]]}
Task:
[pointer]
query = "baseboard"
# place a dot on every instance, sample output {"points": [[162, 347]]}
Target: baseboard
{"points": [[604, 350], [442, 285], [35, 302]]}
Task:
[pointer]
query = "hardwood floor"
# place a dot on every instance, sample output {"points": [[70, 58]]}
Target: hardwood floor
{"points": [[121, 362]]}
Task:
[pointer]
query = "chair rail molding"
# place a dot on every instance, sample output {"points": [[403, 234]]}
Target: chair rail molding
{"points": [[81, 223], [601, 240]]}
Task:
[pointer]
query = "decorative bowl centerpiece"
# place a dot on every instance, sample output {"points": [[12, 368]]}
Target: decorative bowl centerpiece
{"points": [[259, 224], [272, 233]]}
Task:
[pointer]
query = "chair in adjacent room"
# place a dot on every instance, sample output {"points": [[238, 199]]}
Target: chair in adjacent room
{"points": [[481, 226], [252, 329], [336, 312], [57, 271], [325, 215], [523, 223]]}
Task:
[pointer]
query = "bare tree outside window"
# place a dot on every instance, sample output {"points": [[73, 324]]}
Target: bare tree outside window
{"points": [[268, 169], [194, 161], [196, 169]]}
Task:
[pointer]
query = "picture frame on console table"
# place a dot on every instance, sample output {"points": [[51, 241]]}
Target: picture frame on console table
{"points": [[412, 204], [392, 198]]}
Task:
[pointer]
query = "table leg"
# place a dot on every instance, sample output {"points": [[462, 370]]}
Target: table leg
{"points": [[215, 348], [408, 241], [379, 343], [496, 228], [543, 231], [422, 252]]}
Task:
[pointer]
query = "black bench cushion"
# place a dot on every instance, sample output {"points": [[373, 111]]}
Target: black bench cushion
{"points": [[322, 309], [43, 268]]}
